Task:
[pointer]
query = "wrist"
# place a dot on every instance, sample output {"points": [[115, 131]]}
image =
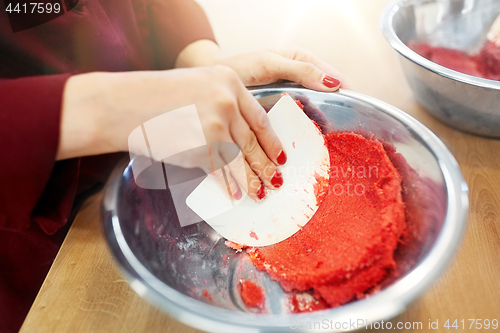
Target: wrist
{"points": [[78, 125]]}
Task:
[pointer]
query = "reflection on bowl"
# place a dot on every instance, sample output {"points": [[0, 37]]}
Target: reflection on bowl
{"points": [[466, 102], [189, 272]]}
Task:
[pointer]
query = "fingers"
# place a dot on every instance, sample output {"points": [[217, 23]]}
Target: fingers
{"points": [[258, 121], [242, 174], [303, 55], [249, 127], [304, 73], [236, 170], [232, 185], [309, 58], [249, 181], [227, 183], [255, 156], [251, 130], [219, 169], [256, 190]]}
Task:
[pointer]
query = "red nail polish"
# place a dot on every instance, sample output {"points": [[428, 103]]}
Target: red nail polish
{"points": [[237, 195], [261, 192], [281, 159], [277, 179], [330, 81]]}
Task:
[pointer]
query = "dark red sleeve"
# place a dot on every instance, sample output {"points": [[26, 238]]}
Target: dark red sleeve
{"points": [[174, 25], [36, 193], [29, 133]]}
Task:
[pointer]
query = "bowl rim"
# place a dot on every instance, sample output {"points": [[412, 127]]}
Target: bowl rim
{"points": [[383, 305], [386, 19]]}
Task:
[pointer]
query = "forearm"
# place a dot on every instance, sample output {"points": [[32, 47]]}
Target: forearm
{"points": [[100, 110], [203, 52]]}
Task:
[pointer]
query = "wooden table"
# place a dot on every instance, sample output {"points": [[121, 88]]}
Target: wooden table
{"points": [[84, 291]]}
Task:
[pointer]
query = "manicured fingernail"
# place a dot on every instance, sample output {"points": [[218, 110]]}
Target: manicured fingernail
{"points": [[281, 159], [261, 192], [330, 81], [277, 179], [237, 195]]}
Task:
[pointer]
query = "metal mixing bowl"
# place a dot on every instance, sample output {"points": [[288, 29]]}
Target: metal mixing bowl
{"points": [[466, 102], [189, 272]]}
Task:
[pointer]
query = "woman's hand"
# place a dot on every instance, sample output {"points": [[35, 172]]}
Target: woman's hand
{"points": [[268, 66], [297, 65], [100, 110]]}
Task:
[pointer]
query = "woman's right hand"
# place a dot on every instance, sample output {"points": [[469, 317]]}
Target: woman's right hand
{"points": [[100, 110]]}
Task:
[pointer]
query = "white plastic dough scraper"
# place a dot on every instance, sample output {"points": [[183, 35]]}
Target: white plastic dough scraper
{"points": [[284, 211]]}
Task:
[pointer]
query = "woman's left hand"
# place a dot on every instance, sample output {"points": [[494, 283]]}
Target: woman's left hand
{"points": [[268, 66]]}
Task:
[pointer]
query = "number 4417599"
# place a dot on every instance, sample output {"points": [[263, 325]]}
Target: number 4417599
{"points": [[34, 8], [472, 324]]}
